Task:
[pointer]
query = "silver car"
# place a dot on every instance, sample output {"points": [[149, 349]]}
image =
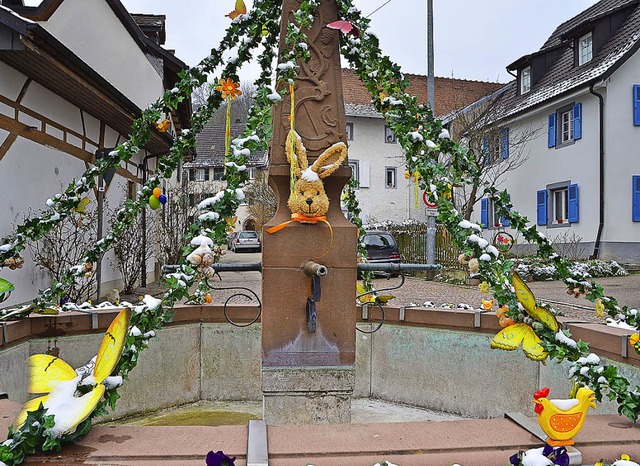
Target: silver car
{"points": [[247, 240]]}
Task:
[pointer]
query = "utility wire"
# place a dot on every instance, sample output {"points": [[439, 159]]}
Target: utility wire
{"points": [[379, 8]]}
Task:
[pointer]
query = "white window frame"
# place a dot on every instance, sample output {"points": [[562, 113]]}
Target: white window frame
{"points": [[559, 201], [355, 170], [391, 177], [349, 131], [492, 216], [389, 137], [200, 174], [525, 80], [585, 49], [252, 173], [566, 126], [218, 173]]}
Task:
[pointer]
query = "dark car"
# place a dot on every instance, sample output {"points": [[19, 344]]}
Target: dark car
{"points": [[381, 247], [247, 240]]}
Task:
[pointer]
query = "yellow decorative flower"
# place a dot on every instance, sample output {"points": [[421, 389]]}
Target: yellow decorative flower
{"points": [[484, 287], [599, 308], [635, 338], [229, 89], [625, 457], [163, 127], [407, 175]]}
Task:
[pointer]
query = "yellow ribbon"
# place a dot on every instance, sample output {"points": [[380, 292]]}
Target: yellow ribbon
{"points": [[416, 192], [227, 135], [303, 219], [292, 139]]}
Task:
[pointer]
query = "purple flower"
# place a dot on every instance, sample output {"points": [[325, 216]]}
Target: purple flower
{"points": [[219, 459]]}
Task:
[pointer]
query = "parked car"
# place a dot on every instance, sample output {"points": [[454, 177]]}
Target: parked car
{"points": [[247, 240], [382, 247], [231, 239]]}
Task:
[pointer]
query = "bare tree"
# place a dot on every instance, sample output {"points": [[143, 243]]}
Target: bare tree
{"points": [[262, 200], [178, 215], [129, 251], [239, 108], [497, 148], [63, 247]]}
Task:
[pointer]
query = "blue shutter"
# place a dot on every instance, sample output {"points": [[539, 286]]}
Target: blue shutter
{"points": [[504, 143], [577, 121], [484, 212], [636, 104], [552, 132], [636, 198], [485, 149], [541, 200], [505, 220], [573, 206]]}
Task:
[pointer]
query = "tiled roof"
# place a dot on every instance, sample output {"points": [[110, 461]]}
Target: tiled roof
{"points": [[450, 94], [563, 76], [210, 147], [144, 20]]}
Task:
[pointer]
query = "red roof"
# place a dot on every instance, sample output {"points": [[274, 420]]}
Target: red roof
{"points": [[450, 94]]}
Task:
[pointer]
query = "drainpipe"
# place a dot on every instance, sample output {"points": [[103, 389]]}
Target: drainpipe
{"points": [[596, 247]]}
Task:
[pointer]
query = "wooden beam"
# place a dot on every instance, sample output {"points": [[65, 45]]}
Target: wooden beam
{"points": [[33, 134], [6, 145], [23, 91]]}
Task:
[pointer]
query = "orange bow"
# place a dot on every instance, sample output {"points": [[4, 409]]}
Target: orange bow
{"points": [[297, 217]]}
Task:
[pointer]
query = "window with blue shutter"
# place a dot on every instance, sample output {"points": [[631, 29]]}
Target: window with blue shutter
{"points": [[636, 104], [541, 201], [577, 121], [505, 220], [636, 198], [573, 208], [504, 143], [485, 149], [484, 212], [552, 131]]}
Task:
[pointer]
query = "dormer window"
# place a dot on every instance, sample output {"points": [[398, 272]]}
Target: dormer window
{"points": [[585, 49], [525, 80]]}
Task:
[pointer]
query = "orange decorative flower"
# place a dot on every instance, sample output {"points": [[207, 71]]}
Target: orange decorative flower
{"points": [[163, 127], [503, 317], [229, 89], [208, 299]]}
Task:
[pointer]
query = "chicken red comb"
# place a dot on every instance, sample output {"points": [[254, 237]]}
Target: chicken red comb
{"points": [[543, 393]]}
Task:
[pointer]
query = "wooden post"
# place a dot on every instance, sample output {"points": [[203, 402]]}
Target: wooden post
{"points": [[309, 377]]}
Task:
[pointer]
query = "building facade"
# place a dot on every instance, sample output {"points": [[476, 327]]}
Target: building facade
{"points": [[377, 160], [74, 74], [581, 179]]}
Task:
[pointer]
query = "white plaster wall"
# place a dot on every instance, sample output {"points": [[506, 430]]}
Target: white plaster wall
{"points": [[379, 203], [29, 175], [54, 107], [622, 154], [93, 32], [576, 163], [11, 82]]}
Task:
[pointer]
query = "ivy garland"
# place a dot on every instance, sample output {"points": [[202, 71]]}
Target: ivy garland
{"points": [[430, 153]]}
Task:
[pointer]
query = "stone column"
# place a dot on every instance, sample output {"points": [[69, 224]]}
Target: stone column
{"points": [[309, 377]]}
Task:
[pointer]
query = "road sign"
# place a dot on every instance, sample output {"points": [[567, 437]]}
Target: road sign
{"points": [[425, 199]]}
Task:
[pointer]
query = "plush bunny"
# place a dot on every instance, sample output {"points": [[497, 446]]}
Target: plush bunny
{"points": [[308, 198]]}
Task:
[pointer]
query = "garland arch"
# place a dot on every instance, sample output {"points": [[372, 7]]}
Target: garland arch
{"points": [[432, 158]]}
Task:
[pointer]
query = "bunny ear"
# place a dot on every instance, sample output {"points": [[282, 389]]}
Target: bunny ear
{"points": [[296, 153], [330, 160]]}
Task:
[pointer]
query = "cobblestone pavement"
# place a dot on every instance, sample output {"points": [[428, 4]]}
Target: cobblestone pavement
{"points": [[418, 291]]}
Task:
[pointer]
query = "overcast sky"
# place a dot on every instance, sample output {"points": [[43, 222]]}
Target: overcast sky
{"points": [[474, 39]]}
